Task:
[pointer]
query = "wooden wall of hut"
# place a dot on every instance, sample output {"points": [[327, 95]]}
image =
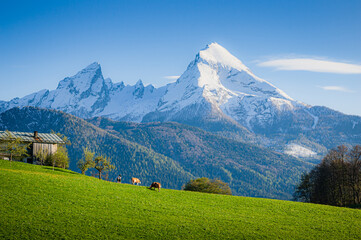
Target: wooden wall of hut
{"points": [[46, 148]]}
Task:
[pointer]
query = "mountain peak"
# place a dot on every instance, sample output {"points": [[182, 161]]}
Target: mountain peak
{"points": [[89, 72], [84, 79], [216, 54], [139, 89], [214, 46], [139, 83], [93, 66]]}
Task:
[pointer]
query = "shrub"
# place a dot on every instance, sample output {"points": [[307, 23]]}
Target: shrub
{"points": [[61, 158], [58, 159], [208, 186]]}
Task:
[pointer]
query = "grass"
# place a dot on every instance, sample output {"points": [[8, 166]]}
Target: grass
{"points": [[38, 203]]}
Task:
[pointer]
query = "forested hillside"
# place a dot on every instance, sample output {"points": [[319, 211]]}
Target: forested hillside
{"points": [[244, 166], [129, 158], [171, 153]]}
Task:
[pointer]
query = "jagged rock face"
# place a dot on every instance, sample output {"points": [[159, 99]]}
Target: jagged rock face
{"points": [[88, 94], [217, 92], [82, 95]]}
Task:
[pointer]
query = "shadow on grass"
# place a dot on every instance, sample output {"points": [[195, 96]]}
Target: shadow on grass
{"points": [[59, 170], [357, 206]]}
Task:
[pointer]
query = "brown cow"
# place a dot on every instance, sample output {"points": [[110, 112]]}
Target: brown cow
{"points": [[136, 181], [155, 185]]}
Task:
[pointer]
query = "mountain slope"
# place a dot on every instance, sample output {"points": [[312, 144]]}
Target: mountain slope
{"points": [[169, 152], [250, 170]]}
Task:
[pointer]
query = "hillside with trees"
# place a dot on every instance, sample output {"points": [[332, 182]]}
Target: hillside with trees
{"points": [[249, 170], [129, 158], [170, 153]]}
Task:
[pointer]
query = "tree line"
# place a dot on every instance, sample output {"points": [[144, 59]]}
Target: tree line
{"points": [[335, 181]]}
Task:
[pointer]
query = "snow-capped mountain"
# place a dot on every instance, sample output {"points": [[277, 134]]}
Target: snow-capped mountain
{"points": [[217, 92], [88, 94], [81, 94], [218, 79]]}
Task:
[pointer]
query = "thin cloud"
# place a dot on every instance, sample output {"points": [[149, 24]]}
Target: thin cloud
{"points": [[312, 65], [171, 77], [335, 88]]}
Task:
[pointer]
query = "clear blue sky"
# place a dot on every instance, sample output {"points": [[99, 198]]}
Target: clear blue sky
{"points": [[41, 42]]}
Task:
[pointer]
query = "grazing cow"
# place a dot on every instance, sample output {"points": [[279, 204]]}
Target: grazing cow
{"points": [[136, 181], [119, 179], [155, 185]]}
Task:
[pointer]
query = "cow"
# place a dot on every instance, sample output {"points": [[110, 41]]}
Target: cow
{"points": [[136, 181], [155, 185], [119, 179]]}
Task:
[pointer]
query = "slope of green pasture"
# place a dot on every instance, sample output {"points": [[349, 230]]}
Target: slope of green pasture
{"points": [[38, 203]]}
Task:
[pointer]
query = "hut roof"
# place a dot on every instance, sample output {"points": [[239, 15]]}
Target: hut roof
{"points": [[30, 137]]}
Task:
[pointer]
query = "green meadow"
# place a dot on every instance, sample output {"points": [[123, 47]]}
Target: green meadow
{"points": [[38, 203]]}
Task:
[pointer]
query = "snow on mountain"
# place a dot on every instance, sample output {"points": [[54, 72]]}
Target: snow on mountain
{"points": [[232, 74], [299, 151], [88, 94], [215, 79], [217, 92], [225, 83], [131, 103], [76, 95], [215, 85]]}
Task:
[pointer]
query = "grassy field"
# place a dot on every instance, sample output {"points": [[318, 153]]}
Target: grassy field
{"points": [[38, 203]]}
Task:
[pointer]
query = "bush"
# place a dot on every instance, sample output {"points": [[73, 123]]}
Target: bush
{"points": [[208, 186], [61, 158], [58, 159]]}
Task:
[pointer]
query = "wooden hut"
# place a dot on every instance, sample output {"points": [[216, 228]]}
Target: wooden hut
{"points": [[46, 142]]}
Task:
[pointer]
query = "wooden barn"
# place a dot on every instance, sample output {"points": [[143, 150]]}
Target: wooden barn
{"points": [[46, 142]]}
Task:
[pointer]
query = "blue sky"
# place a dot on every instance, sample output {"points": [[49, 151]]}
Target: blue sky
{"points": [[299, 46]]}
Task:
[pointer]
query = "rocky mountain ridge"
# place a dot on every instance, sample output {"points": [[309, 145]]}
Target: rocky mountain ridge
{"points": [[218, 93]]}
